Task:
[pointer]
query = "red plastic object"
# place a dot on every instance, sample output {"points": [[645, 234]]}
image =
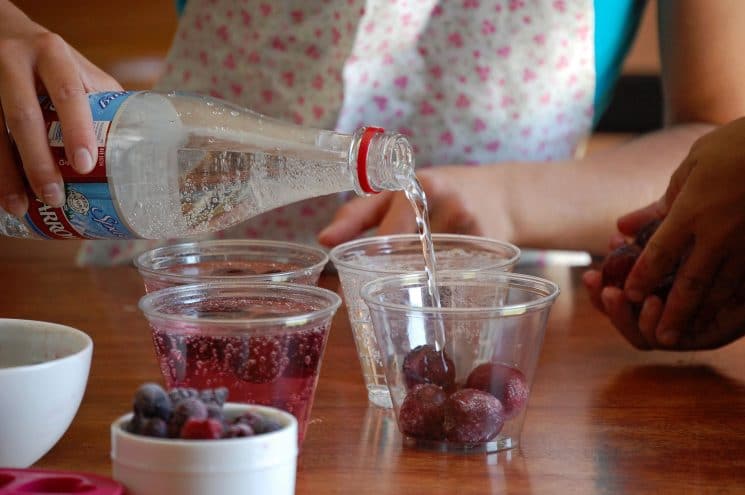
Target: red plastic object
{"points": [[41, 482], [367, 135]]}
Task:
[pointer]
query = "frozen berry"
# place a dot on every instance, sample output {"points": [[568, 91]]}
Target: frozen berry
{"points": [[135, 424], [179, 393], [238, 430], [472, 416], [214, 411], [421, 414], [645, 233], [151, 401], [425, 364], [260, 360], [201, 429], [304, 351], [258, 423], [214, 395], [154, 427], [504, 382], [618, 264], [184, 410]]}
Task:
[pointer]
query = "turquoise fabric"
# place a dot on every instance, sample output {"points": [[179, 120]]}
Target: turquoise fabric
{"points": [[616, 22]]}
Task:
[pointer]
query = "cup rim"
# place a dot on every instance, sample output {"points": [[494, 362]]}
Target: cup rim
{"points": [[143, 266], [337, 252], [550, 291], [147, 302], [33, 325]]}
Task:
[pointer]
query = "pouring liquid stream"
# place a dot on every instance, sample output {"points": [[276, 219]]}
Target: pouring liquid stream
{"points": [[417, 198]]}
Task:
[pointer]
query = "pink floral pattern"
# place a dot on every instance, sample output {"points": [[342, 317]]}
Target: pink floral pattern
{"points": [[468, 81]]}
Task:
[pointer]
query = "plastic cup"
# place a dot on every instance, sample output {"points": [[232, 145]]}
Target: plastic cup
{"points": [[363, 260], [264, 342], [460, 375], [247, 260]]}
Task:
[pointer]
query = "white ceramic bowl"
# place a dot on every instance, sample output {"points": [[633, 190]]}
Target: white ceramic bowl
{"points": [[263, 463], [43, 374]]}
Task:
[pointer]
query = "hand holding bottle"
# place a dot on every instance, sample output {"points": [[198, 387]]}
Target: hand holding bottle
{"points": [[35, 61]]}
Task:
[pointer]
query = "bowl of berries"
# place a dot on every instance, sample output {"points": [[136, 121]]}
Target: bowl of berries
{"points": [[459, 366], [193, 442]]}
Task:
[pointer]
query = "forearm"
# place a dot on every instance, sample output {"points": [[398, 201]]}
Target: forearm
{"points": [[575, 204]]}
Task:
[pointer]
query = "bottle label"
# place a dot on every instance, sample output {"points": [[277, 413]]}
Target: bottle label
{"points": [[89, 211]]}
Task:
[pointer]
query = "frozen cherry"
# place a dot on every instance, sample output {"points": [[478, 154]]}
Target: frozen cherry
{"points": [[472, 416], [618, 264], [421, 414], [645, 233], [201, 429], [152, 401], [425, 364], [504, 382]]}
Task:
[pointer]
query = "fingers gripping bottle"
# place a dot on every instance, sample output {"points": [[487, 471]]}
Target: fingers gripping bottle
{"points": [[176, 165]]}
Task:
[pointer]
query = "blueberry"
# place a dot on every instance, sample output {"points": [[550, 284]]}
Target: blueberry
{"points": [[258, 423], [151, 401], [215, 411], [214, 395], [154, 427], [180, 393], [135, 424]]}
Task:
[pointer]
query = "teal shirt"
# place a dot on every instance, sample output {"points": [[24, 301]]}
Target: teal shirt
{"points": [[616, 22]]}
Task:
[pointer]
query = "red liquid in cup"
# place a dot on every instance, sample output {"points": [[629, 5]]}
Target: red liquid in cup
{"points": [[278, 367]]}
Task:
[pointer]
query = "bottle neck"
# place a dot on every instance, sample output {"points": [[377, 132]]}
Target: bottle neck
{"points": [[383, 161]]}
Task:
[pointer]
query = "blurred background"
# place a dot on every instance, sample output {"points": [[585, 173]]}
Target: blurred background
{"points": [[130, 39]]}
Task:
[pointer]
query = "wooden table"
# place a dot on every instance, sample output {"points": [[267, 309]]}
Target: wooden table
{"points": [[603, 418]]}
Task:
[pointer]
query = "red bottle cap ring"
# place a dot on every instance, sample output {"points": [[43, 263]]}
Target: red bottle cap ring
{"points": [[367, 135]]}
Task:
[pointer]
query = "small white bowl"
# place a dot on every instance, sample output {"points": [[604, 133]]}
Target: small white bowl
{"points": [[43, 374], [264, 463]]}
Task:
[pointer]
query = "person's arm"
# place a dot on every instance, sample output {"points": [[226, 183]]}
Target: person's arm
{"points": [[35, 61], [575, 204]]}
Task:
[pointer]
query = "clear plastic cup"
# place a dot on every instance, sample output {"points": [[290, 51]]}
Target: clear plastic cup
{"points": [[247, 260], [264, 342], [360, 261], [460, 375]]}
